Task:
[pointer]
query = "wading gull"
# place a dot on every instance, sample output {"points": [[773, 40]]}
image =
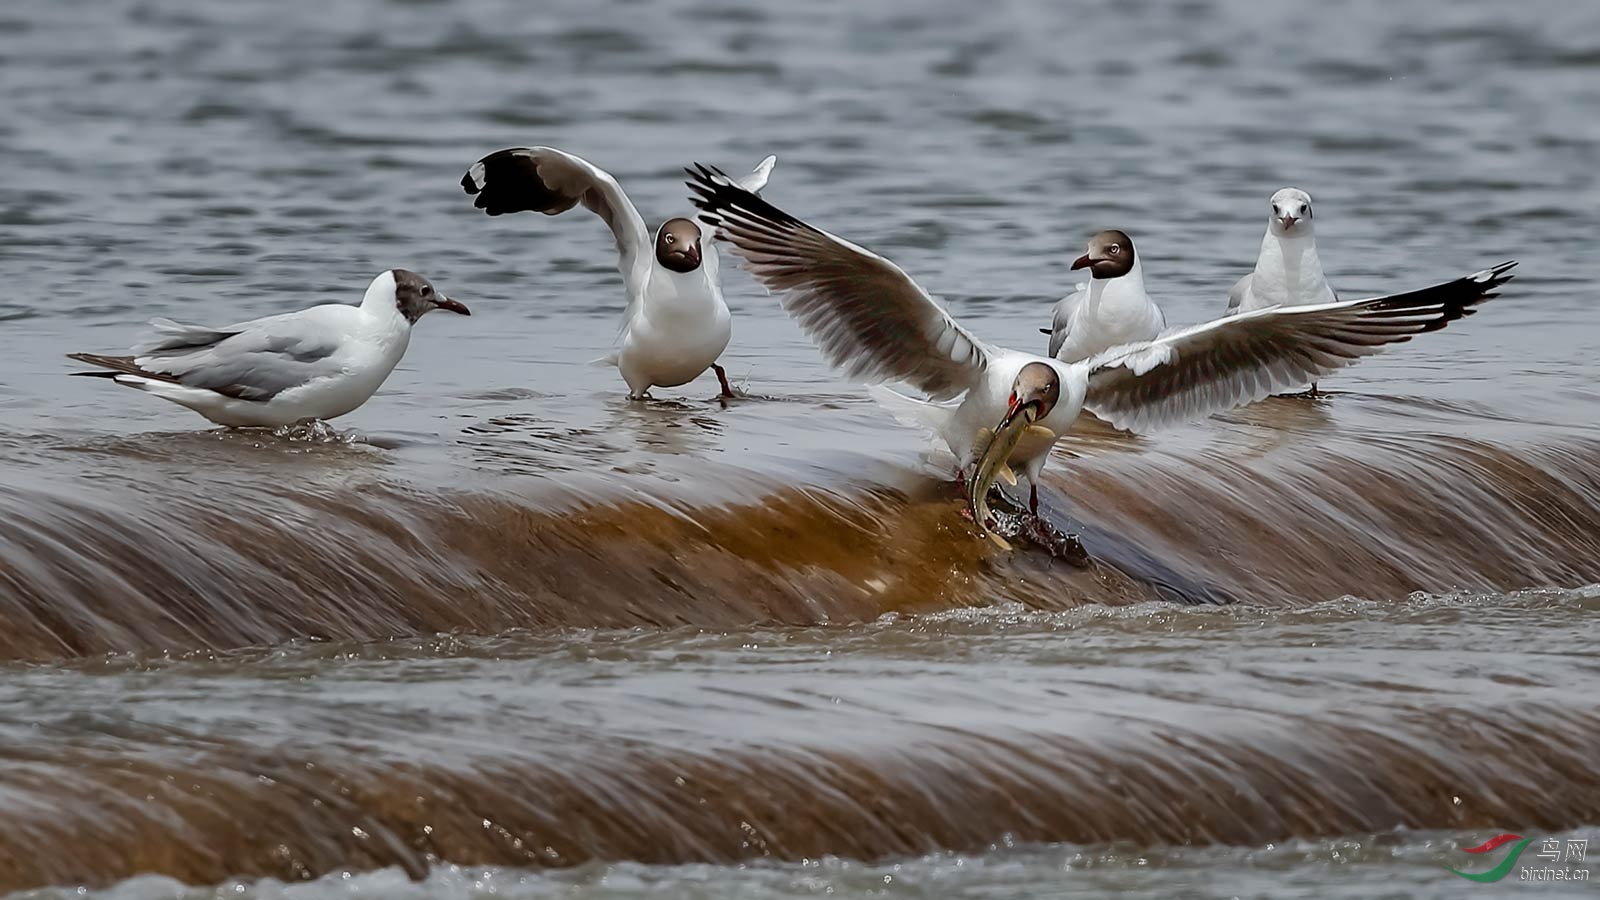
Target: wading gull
{"points": [[317, 363], [676, 323]]}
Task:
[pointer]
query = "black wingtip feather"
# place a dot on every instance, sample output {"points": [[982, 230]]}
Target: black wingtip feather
{"points": [[1452, 300], [714, 193], [511, 184]]}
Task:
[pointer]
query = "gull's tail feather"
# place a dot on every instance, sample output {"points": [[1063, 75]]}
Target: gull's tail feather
{"points": [[911, 411], [114, 366]]}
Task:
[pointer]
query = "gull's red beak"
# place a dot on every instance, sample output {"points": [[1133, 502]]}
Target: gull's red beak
{"points": [[454, 306], [1082, 262], [1020, 408]]}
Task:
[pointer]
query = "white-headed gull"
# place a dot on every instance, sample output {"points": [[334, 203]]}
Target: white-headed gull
{"points": [[1288, 271], [1112, 308], [869, 318], [676, 323], [318, 363]]}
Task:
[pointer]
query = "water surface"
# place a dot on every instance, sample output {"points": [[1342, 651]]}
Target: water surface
{"points": [[508, 634]]}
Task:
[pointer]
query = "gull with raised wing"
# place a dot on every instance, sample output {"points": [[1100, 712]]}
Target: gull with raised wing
{"points": [[870, 319], [1108, 310], [676, 323], [318, 363]]}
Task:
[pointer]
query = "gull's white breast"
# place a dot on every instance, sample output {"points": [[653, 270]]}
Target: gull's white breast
{"points": [[678, 330]]}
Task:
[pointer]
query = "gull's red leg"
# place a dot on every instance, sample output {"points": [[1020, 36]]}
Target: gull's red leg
{"points": [[722, 376]]}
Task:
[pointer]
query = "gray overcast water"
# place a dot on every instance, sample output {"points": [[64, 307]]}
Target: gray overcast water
{"points": [[515, 636]]}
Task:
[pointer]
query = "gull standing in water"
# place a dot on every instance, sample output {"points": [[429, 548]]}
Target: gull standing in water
{"points": [[1111, 309], [1288, 271], [676, 323], [318, 363], [869, 318]]}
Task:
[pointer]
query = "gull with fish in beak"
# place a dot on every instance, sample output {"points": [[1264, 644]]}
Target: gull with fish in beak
{"points": [[1034, 394], [869, 318], [676, 323]]}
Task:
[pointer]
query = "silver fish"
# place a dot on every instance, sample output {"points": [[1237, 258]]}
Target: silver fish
{"points": [[995, 463]]}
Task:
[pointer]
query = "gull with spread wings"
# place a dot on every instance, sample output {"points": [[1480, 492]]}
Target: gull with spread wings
{"points": [[871, 320], [676, 324]]}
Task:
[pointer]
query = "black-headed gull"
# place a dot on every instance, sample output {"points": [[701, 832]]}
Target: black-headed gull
{"points": [[1110, 309], [676, 324], [869, 318], [318, 363]]}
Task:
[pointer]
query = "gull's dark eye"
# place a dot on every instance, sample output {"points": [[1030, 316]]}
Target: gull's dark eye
{"points": [[669, 239], [427, 290], [1115, 249]]}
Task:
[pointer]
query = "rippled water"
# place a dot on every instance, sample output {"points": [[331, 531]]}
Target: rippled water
{"points": [[510, 635]]}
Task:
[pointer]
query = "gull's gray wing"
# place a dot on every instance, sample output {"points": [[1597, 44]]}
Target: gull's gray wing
{"points": [[1194, 372], [1061, 318], [255, 360], [167, 336], [864, 312]]}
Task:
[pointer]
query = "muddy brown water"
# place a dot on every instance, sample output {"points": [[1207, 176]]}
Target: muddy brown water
{"points": [[507, 634]]}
